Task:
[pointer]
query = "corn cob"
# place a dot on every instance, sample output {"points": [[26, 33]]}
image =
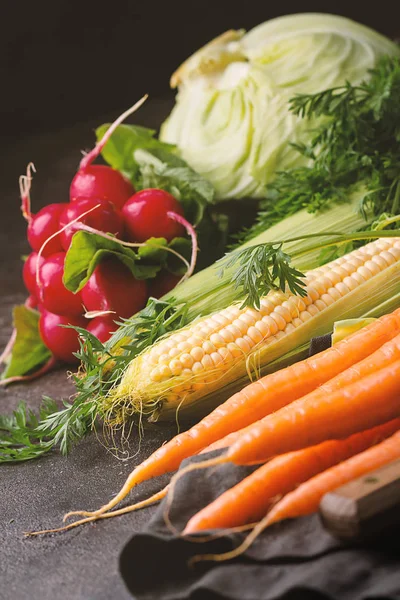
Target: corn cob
{"points": [[235, 342]]}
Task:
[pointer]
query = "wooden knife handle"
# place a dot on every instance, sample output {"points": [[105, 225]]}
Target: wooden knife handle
{"points": [[365, 506]]}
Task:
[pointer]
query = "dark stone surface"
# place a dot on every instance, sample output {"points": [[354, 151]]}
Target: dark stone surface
{"points": [[83, 563]]}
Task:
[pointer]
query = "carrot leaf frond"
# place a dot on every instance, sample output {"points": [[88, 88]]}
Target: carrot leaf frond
{"points": [[260, 269], [20, 437]]}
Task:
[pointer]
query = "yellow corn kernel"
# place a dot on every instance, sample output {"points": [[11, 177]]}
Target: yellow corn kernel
{"points": [[216, 358], [271, 323], [217, 340], [227, 335], [197, 367], [187, 360], [197, 353], [284, 312], [224, 354], [243, 345], [279, 320], [234, 349], [208, 347], [255, 334], [207, 362], [176, 367]]}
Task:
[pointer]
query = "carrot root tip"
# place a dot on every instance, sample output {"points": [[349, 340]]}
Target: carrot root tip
{"points": [[80, 513], [58, 529], [103, 514]]}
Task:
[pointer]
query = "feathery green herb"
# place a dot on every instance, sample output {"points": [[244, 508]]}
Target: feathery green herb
{"points": [[262, 268]]}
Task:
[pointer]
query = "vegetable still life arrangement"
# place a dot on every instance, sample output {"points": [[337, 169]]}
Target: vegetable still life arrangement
{"points": [[171, 316]]}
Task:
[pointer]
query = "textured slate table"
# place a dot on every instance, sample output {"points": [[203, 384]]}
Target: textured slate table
{"points": [[82, 564]]}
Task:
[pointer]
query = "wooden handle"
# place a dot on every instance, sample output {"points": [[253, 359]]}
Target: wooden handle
{"points": [[364, 506]]}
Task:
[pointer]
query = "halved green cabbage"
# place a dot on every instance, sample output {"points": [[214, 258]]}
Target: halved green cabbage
{"points": [[231, 121]]}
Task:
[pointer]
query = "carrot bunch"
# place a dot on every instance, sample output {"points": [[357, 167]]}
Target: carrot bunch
{"points": [[254, 496], [362, 402], [306, 497], [303, 421]]}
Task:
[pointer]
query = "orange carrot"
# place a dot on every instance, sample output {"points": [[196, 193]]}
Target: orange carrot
{"points": [[259, 399], [385, 355], [250, 499], [226, 441], [319, 416], [306, 498]]}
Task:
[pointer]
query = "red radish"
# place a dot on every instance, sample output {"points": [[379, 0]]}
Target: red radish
{"points": [[102, 327], [145, 215], [29, 273], [101, 181], [61, 341], [163, 283], [44, 224], [113, 287], [31, 302], [53, 294], [104, 218]]}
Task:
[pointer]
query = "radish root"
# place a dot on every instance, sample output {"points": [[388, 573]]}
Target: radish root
{"points": [[192, 233], [25, 182], [93, 154]]}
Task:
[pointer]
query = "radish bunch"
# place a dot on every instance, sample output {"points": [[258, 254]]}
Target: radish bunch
{"points": [[103, 199]]}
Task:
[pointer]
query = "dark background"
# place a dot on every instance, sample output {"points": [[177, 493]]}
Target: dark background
{"points": [[63, 62]]}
